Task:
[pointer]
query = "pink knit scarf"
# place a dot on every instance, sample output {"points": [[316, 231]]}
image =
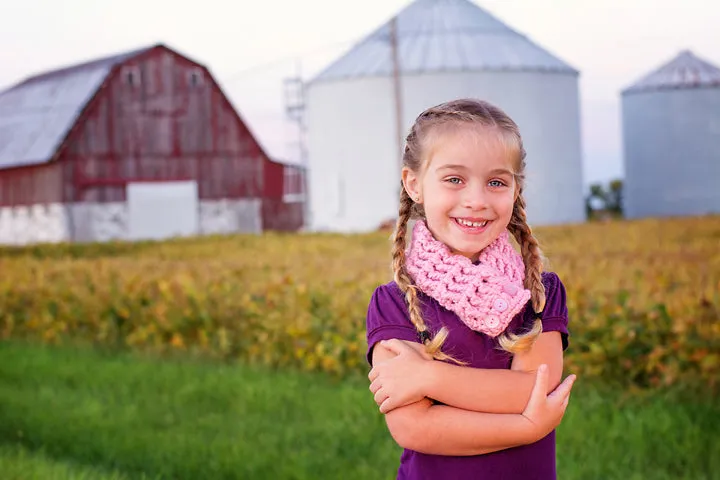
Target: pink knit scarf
{"points": [[486, 296]]}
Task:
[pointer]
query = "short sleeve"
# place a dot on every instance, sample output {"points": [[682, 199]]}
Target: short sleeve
{"points": [[387, 318], [555, 314]]}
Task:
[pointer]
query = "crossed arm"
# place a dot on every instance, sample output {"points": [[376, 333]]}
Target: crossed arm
{"points": [[485, 410]]}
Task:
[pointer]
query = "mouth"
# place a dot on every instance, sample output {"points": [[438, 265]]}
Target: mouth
{"points": [[472, 225]]}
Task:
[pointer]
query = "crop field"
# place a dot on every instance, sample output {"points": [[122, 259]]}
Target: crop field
{"points": [[243, 356]]}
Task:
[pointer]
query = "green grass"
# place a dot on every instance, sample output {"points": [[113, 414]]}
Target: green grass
{"points": [[81, 414], [18, 463]]}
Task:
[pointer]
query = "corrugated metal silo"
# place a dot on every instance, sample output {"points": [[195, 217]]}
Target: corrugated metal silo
{"points": [[671, 130], [446, 49]]}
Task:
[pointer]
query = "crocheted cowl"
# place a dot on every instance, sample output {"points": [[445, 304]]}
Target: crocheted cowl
{"points": [[485, 295]]}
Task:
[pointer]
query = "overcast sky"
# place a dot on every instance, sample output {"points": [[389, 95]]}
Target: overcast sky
{"points": [[250, 46]]}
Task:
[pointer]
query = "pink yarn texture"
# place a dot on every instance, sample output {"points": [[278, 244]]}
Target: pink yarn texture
{"points": [[486, 296]]}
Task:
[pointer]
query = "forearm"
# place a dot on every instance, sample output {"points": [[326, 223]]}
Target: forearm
{"points": [[480, 390], [444, 430], [496, 390]]}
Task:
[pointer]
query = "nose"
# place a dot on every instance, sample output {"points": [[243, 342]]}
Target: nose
{"points": [[474, 198]]}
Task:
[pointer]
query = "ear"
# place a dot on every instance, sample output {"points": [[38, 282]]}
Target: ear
{"points": [[411, 182]]}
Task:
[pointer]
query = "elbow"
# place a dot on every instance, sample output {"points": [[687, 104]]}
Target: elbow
{"points": [[405, 424], [401, 430]]}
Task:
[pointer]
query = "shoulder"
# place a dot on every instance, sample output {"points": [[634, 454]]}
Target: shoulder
{"points": [[551, 280], [554, 286], [387, 304], [388, 291], [555, 314], [388, 317]]}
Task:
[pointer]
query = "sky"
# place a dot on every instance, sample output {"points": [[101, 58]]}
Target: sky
{"points": [[251, 46]]}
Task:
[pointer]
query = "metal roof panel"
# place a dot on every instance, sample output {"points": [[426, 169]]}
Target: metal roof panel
{"points": [[37, 114], [443, 35], [685, 70]]}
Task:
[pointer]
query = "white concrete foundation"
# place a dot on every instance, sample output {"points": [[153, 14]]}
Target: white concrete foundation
{"points": [[230, 216], [101, 222], [98, 222], [33, 224]]}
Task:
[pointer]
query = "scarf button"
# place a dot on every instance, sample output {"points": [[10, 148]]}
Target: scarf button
{"points": [[500, 305]]}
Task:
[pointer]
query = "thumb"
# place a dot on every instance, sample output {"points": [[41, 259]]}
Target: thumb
{"points": [[562, 391]]}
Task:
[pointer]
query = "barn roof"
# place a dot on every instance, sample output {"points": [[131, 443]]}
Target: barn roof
{"points": [[443, 35], [685, 70], [37, 113]]}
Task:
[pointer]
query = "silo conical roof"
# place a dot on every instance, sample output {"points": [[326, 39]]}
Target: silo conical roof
{"points": [[443, 35], [685, 70]]}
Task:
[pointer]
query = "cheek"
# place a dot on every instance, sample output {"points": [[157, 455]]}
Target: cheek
{"points": [[434, 194], [506, 204]]}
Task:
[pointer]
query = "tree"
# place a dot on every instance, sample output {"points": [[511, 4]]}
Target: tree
{"points": [[602, 202], [614, 197]]}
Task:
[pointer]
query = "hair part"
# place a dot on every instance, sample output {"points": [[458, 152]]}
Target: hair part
{"points": [[434, 121]]}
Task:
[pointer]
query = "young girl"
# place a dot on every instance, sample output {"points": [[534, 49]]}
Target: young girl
{"points": [[462, 295]]}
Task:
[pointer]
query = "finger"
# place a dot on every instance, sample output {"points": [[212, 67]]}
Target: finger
{"points": [[419, 348], [541, 381], [375, 386], [373, 374], [394, 345], [386, 406], [380, 396], [538, 393], [563, 390]]}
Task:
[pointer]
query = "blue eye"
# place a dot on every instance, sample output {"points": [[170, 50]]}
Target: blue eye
{"points": [[454, 180], [497, 183]]}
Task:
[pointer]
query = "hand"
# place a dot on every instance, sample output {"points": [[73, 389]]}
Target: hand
{"points": [[546, 411], [399, 381]]}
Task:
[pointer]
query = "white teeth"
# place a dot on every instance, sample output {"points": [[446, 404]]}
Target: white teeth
{"points": [[471, 224]]}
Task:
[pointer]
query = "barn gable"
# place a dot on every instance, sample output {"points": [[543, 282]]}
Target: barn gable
{"points": [[37, 114]]}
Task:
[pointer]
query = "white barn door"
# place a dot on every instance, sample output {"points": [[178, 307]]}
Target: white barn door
{"points": [[159, 210]]}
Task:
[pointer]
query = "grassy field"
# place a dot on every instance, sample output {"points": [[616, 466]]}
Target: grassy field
{"points": [[18, 463], [87, 414], [242, 356], [643, 297]]}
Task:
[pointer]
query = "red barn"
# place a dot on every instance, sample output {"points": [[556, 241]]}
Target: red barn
{"points": [[141, 145]]}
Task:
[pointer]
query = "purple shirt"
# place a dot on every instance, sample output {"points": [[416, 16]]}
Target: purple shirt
{"points": [[388, 318]]}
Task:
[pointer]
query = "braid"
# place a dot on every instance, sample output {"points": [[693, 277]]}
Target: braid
{"points": [[403, 280], [532, 257]]}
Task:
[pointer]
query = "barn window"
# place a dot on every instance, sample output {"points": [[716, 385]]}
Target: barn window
{"points": [[293, 190], [196, 78], [132, 76]]}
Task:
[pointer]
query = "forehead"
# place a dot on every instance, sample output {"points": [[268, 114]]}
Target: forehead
{"points": [[471, 146]]}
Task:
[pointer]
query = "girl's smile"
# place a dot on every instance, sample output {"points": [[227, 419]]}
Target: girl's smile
{"points": [[472, 226], [467, 188]]}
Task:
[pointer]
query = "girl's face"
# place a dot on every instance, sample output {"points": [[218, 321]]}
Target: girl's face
{"points": [[467, 188]]}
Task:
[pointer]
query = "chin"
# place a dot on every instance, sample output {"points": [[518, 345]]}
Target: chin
{"points": [[467, 249]]}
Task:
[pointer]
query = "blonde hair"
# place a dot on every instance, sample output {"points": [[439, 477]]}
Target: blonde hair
{"points": [[467, 111]]}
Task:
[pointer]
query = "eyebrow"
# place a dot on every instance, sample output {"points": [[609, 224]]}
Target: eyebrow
{"points": [[501, 171], [452, 167], [497, 171]]}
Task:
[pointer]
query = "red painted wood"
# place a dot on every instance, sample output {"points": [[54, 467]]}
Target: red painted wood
{"points": [[159, 127]]}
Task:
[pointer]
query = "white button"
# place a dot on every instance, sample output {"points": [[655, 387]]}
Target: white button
{"points": [[500, 305]]}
